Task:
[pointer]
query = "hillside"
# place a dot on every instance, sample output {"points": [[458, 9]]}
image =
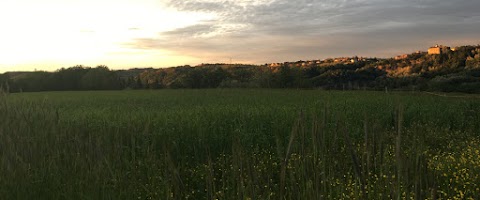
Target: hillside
{"points": [[456, 70]]}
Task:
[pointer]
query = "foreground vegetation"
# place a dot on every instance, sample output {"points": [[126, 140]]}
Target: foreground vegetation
{"points": [[238, 144]]}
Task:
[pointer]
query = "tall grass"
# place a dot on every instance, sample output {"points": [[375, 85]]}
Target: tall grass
{"points": [[238, 144]]}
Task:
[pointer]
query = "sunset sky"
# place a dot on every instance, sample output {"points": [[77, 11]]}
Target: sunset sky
{"points": [[50, 34]]}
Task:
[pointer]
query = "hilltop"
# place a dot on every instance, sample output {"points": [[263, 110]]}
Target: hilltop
{"points": [[440, 69]]}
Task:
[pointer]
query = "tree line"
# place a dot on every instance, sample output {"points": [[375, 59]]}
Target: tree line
{"points": [[73, 78], [456, 71]]}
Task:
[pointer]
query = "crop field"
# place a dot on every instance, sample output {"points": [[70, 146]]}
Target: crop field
{"points": [[239, 144]]}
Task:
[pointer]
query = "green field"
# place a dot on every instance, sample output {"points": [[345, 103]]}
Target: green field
{"points": [[238, 144]]}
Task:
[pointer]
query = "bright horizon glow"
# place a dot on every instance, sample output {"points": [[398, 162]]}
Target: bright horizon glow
{"points": [[51, 34]]}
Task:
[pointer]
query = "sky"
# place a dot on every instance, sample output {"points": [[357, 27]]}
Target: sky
{"points": [[51, 34]]}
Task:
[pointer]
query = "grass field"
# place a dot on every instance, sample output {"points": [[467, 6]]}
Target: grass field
{"points": [[238, 144]]}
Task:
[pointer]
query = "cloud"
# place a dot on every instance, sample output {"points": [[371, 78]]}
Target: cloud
{"points": [[280, 30]]}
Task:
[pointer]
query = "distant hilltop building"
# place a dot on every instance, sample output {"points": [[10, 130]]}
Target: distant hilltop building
{"points": [[401, 57], [405, 56], [438, 49]]}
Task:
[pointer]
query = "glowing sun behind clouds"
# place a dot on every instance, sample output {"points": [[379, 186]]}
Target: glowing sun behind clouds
{"points": [[50, 34]]}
